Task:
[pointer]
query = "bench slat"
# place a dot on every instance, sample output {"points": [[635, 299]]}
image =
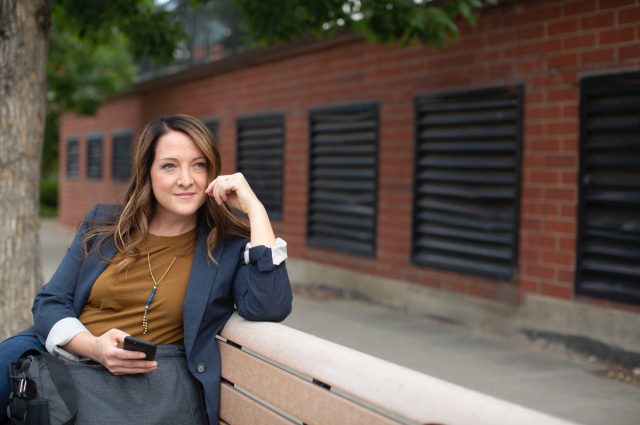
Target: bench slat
{"points": [[237, 408], [404, 392], [294, 395]]}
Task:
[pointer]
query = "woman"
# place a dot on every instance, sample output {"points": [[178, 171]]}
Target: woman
{"points": [[167, 266]]}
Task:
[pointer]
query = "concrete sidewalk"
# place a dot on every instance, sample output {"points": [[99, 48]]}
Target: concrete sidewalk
{"points": [[555, 382]]}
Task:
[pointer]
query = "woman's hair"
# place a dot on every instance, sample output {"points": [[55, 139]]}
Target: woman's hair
{"points": [[129, 224]]}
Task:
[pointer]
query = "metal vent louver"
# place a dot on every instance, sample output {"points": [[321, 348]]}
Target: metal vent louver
{"points": [[608, 249], [121, 155], [213, 128], [73, 154], [343, 174], [467, 181], [94, 156], [261, 157]]}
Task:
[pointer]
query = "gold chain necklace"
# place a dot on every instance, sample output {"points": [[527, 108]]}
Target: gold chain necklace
{"points": [[145, 323]]}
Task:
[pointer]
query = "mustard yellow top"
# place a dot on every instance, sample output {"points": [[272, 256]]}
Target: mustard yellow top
{"points": [[121, 305]]}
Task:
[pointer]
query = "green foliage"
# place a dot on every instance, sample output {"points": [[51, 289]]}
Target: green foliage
{"points": [[49, 192], [93, 44], [387, 21], [50, 146]]}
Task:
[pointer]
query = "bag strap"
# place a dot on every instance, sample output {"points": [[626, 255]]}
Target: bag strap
{"points": [[62, 379]]}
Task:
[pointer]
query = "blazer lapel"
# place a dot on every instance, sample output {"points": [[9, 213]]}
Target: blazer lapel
{"points": [[91, 269], [201, 281]]}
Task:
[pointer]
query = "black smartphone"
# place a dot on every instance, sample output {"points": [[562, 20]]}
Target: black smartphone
{"points": [[137, 344]]}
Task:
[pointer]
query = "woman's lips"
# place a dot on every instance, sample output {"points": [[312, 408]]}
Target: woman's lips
{"points": [[186, 195]]}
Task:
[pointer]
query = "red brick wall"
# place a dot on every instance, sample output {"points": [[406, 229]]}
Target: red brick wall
{"points": [[546, 45]]}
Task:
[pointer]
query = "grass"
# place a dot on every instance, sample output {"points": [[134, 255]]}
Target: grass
{"points": [[47, 211]]}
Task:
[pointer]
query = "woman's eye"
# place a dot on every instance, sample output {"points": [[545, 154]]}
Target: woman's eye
{"points": [[201, 165], [167, 166]]}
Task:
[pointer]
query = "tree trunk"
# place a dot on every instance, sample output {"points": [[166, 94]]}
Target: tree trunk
{"points": [[24, 39]]}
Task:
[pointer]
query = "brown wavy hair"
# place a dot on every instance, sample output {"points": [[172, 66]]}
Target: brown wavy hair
{"points": [[128, 225]]}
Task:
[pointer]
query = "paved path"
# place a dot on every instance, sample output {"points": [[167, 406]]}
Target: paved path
{"points": [[554, 382]]}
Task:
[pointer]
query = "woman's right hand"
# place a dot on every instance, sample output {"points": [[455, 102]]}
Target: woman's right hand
{"points": [[117, 360], [104, 350]]}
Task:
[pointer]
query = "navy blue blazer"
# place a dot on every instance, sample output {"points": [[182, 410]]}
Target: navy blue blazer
{"points": [[260, 290]]}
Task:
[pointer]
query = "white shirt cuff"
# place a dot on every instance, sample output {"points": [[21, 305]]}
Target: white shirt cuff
{"points": [[60, 335], [278, 252]]}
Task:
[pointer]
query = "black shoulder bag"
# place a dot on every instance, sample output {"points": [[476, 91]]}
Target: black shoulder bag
{"points": [[29, 376]]}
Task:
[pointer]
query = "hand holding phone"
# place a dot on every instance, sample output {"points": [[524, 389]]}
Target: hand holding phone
{"points": [[136, 344]]}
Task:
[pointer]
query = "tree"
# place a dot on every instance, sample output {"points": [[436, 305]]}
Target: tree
{"points": [[70, 55]]}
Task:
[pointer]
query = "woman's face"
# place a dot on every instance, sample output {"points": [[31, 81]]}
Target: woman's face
{"points": [[178, 175]]}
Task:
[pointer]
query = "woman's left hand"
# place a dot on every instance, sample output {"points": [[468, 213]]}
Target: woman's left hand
{"points": [[235, 191]]}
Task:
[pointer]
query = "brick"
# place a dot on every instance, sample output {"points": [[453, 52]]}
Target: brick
{"points": [[617, 36], [600, 20], [562, 128], [530, 255], [610, 4], [540, 271], [557, 258], [558, 226], [570, 111], [568, 243], [531, 192], [597, 56], [548, 177], [580, 7], [538, 208], [562, 95], [483, 292], [541, 241], [501, 69], [563, 27], [547, 80], [502, 38], [561, 61], [629, 52], [566, 161], [560, 194], [580, 41], [570, 177], [529, 33], [544, 112], [545, 47], [556, 291], [629, 16], [530, 65], [529, 224], [545, 14], [533, 129], [527, 285], [624, 306], [546, 145], [570, 144], [455, 286]]}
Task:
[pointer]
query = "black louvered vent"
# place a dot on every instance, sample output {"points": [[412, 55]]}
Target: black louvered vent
{"points": [[467, 187], [343, 175], [260, 159], [213, 128], [73, 153], [122, 155], [608, 249], [94, 156]]}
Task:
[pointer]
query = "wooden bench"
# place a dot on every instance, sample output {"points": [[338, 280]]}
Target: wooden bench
{"points": [[275, 375]]}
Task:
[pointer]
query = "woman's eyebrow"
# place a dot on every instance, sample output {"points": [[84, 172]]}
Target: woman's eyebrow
{"points": [[175, 159]]}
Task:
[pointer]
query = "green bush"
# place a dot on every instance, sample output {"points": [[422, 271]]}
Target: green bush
{"points": [[49, 193]]}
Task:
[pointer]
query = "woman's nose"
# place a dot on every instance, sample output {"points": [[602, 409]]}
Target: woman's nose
{"points": [[185, 177]]}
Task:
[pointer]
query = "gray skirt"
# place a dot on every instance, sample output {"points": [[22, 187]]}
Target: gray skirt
{"points": [[168, 395]]}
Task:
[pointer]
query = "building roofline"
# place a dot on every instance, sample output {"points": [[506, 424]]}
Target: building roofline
{"points": [[234, 61]]}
